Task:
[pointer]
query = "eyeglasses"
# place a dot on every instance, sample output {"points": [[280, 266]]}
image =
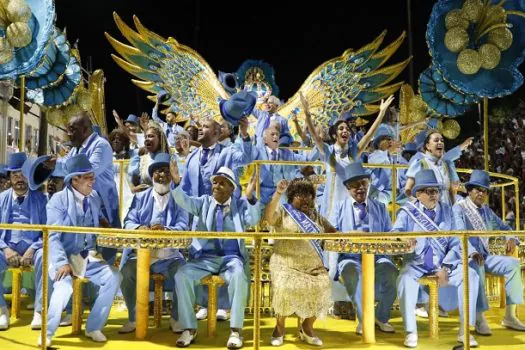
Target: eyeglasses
{"points": [[431, 191], [481, 190]]}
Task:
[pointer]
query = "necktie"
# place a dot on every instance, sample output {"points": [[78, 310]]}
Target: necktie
{"points": [[480, 211], [85, 204], [204, 157], [431, 213], [428, 260], [266, 122], [20, 200], [274, 155], [219, 225], [362, 210]]}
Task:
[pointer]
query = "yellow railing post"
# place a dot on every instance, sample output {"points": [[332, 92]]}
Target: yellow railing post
{"points": [[394, 191], [142, 306], [466, 287], [121, 189], [257, 261], [517, 199], [368, 276], [45, 286], [22, 130], [503, 204]]}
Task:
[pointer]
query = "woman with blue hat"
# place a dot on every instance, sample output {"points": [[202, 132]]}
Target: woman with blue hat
{"points": [[74, 254], [473, 214], [433, 256], [338, 156]]}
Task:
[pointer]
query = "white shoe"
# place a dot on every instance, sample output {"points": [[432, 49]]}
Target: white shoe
{"points": [[482, 326], [66, 321], [421, 312], [30, 306], [36, 323], [202, 314], [39, 342], [277, 341], [473, 342], [359, 329], [513, 323], [128, 328], [222, 315], [235, 341], [411, 340], [4, 319], [310, 340], [186, 339], [175, 326], [385, 327], [97, 336]]}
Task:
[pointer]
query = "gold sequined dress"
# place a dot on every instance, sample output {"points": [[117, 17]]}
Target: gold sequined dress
{"points": [[300, 282]]}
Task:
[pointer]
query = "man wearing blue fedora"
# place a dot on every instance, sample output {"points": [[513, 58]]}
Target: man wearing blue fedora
{"points": [[473, 214], [409, 149], [20, 205], [437, 256], [153, 209], [219, 212], [170, 127], [268, 114], [74, 254], [358, 212]]}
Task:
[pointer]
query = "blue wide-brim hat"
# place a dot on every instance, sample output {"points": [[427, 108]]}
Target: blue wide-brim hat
{"points": [[16, 161], [348, 116], [382, 131], [132, 118], [410, 147], [160, 160], [285, 140], [354, 172], [77, 165], [420, 139], [425, 178], [479, 178], [237, 106], [35, 172]]}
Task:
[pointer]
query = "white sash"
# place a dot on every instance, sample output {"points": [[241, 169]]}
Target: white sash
{"points": [[475, 219]]}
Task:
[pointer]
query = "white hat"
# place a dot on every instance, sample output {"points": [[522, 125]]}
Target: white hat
{"points": [[228, 174]]}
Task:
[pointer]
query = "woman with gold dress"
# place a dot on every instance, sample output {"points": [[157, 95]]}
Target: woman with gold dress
{"points": [[300, 282]]}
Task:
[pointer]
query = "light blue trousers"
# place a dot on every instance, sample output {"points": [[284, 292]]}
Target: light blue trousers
{"points": [[506, 266], [189, 276], [408, 290], [37, 263], [385, 286], [99, 273], [167, 267]]}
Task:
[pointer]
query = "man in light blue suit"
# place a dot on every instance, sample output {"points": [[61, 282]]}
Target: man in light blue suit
{"points": [[358, 212], [268, 115], [153, 209], [439, 256], [76, 254], [220, 212], [21, 205], [473, 214]]}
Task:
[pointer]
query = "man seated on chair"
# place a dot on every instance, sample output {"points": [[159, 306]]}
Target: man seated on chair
{"points": [[228, 258], [153, 209], [358, 212], [473, 214], [75, 255], [21, 205], [433, 256]]}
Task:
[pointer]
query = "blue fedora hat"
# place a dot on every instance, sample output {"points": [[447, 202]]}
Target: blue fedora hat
{"points": [[35, 172], [425, 178], [354, 172], [226, 173], [16, 161], [420, 139], [479, 178], [132, 119], [59, 170], [410, 147], [237, 106], [77, 165], [348, 116], [382, 131], [160, 160]]}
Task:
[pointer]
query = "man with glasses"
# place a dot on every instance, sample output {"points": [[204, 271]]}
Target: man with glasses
{"points": [[433, 256], [358, 212], [473, 214]]}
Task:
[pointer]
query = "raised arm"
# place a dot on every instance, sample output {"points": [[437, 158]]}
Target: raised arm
{"points": [[272, 212], [363, 144], [308, 119]]}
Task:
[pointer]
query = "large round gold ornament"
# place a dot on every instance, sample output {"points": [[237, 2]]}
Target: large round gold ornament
{"points": [[456, 39], [490, 56], [472, 10], [6, 56], [450, 129], [501, 37], [19, 34], [469, 61], [18, 11], [456, 18]]}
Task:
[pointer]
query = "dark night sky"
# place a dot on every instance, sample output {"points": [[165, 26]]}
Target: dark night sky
{"points": [[293, 37]]}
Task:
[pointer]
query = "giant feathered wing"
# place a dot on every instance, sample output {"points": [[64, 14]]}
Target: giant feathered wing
{"points": [[351, 82], [165, 64]]}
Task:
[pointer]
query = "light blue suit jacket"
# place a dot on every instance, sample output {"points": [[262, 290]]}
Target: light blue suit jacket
{"points": [[262, 116], [141, 211], [37, 208], [100, 156]]}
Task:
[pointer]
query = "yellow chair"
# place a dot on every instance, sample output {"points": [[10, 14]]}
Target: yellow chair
{"points": [[16, 289], [77, 309], [158, 278], [433, 311], [212, 281]]}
